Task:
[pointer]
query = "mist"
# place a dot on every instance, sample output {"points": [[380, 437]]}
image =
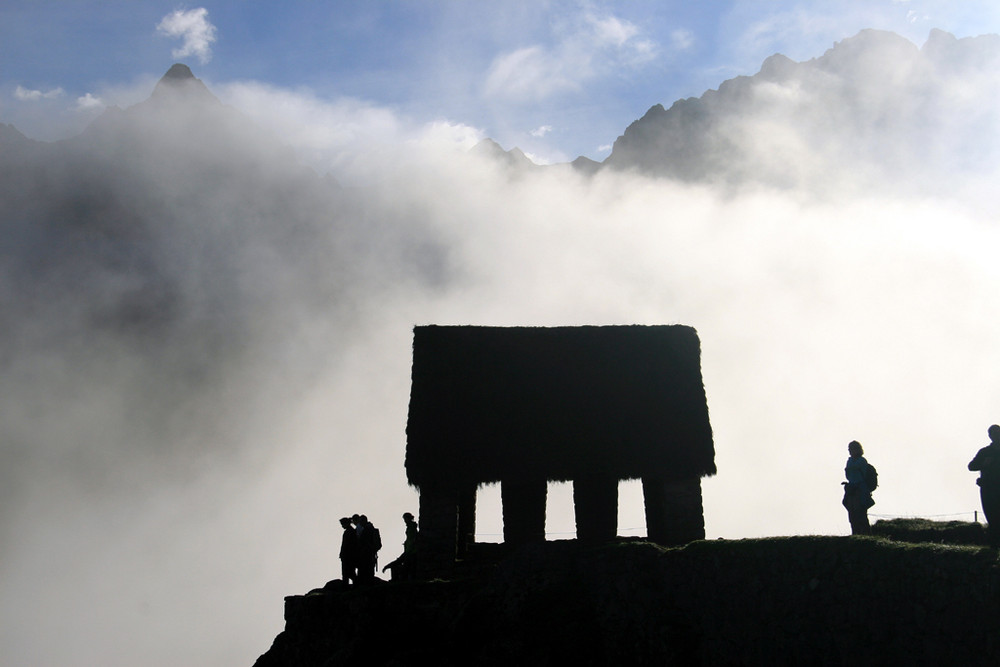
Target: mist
{"points": [[202, 378]]}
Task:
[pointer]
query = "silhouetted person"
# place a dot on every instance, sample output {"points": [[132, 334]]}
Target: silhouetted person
{"points": [[857, 492], [987, 462], [412, 533], [368, 546], [402, 567], [348, 553]]}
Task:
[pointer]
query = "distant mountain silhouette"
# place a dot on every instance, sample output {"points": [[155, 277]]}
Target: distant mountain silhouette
{"points": [[11, 136], [874, 100], [874, 111], [585, 165], [514, 158], [180, 80]]}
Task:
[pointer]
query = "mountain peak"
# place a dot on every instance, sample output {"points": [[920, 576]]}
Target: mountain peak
{"points": [[178, 72], [180, 83], [515, 157]]}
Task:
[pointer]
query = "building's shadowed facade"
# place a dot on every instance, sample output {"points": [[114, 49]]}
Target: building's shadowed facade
{"points": [[523, 406]]}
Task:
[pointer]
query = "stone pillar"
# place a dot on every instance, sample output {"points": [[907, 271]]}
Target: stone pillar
{"points": [[674, 513], [466, 520], [438, 529], [595, 500], [523, 511]]}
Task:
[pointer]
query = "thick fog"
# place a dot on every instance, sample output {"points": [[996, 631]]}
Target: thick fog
{"points": [[202, 377]]}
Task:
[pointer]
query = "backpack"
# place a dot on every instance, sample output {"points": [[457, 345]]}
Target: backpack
{"points": [[376, 539], [871, 477]]}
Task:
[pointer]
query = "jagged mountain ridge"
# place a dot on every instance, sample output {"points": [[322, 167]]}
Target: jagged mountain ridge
{"points": [[875, 99], [893, 113]]}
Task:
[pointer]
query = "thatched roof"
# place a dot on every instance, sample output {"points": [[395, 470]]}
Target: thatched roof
{"points": [[492, 403]]}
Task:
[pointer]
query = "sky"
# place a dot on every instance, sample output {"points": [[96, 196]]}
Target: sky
{"points": [[826, 312], [557, 79]]}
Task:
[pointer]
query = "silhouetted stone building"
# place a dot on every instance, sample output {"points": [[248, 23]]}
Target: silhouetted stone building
{"points": [[523, 406]]}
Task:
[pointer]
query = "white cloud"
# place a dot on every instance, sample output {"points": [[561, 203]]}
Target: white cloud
{"points": [[541, 131], [447, 134], [350, 138], [590, 48], [88, 102], [194, 28], [529, 73], [612, 30], [620, 40], [26, 95], [681, 40]]}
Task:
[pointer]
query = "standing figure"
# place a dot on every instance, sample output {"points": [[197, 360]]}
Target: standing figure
{"points": [[348, 553], [857, 490], [987, 462], [402, 568], [367, 549], [410, 542]]}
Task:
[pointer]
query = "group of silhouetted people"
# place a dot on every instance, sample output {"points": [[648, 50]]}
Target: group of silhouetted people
{"points": [[862, 480], [359, 547]]}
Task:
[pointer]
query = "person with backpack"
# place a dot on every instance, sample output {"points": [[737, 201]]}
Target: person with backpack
{"points": [[369, 543], [987, 463], [861, 481]]}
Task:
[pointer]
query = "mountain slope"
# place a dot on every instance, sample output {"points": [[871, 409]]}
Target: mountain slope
{"points": [[892, 112]]}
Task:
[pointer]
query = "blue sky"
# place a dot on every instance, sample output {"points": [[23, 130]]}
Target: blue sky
{"points": [[558, 79]]}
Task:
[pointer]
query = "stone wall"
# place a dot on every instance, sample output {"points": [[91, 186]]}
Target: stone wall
{"points": [[778, 601]]}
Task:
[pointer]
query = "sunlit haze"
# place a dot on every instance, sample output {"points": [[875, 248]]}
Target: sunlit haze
{"points": [[202, 376]]}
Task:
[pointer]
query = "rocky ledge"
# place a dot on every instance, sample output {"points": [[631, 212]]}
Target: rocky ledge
{"points": [[776, 601]]}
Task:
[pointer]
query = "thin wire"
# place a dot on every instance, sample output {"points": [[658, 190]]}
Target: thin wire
{"points": [[568, 532], [920, 516], [877, 516]]}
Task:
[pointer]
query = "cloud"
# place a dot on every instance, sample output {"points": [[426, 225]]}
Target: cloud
{"points": [[529, 73], [352, 139], [623, 37], [88, 102], [194, 28], [26, 95], [541, 131], [612, 30], [591, 46], [681, 40]]}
